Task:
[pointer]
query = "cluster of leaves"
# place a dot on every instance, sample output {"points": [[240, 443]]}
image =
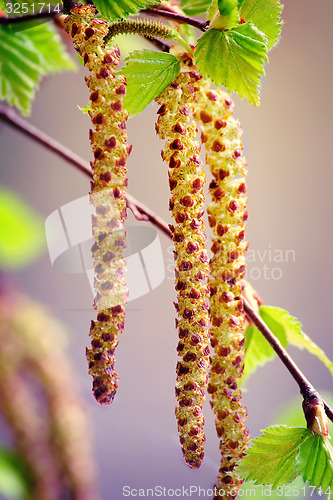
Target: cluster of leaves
{"points": [[28, 51], [231, 53]]}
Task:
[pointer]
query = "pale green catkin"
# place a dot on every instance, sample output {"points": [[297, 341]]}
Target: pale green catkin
{"points": [[177, 125], [109, 145], [221, 135]]}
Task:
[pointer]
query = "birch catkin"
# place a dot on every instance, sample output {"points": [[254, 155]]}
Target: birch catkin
{"points": [[227, 214], [108, 142], [175, 123]]}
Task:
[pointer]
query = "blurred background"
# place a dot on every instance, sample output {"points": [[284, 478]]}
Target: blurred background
{"points": [[287, 142]]}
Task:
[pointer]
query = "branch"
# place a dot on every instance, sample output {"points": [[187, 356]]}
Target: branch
{"points": [[7, 115], [164, 47], [176, 17], [306, 388], [5, 20], [10, 117]]}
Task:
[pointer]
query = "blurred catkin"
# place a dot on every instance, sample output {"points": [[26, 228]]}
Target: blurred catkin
{"points": [[227, 214], [41, 404], [108, 142], [176, 124]]}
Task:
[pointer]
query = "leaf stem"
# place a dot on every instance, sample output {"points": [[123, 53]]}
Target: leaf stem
{"points": [[10, 117], [176, 17]]}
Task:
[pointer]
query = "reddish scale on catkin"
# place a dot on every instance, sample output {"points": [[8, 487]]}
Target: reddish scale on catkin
{"points": [[227, 214], [108, 141], [176, 124]]}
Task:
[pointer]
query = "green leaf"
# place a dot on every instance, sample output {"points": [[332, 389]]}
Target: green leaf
{"points": [[272, 457], [111, 9], [228, 15], [25, 56], [51, 50], [148, 73], [293, 330], [14, 475], [265, 15], [234, 58], [20, 69], [195, 7], [315, 463], [258, 351], [21, 231]]}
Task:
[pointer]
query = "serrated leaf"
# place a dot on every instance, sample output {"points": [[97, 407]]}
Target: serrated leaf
{"points": [[26, 56], [234, 58], [51, 50], [258, 351], [293, 330], [111, 9], [148, 73], [20, 69], [14, 475], [21, 231], [195, 7], [315, 462], [265, 15], [272, 457]]}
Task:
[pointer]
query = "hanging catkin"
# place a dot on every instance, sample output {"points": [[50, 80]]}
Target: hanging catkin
{"points": [[176, 124], [43, 411], [108, 142], [227, 214]]}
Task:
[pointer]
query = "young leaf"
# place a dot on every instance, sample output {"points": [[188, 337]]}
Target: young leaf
{"points": [[148, 73], [111, 9], [21, 231], [272, 457], [265, 15], [51, 50], [20, 69], [279, 318], [228, 17], [315, 462], [234, 58], [195, 7], [14, 475], [258, 351]]}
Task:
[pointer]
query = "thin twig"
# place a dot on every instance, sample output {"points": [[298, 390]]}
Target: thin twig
{"points": [[10, 117], [305, 386], [22, 125], [5, 20], [164, 47], [176, 17], [138, 215]]}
